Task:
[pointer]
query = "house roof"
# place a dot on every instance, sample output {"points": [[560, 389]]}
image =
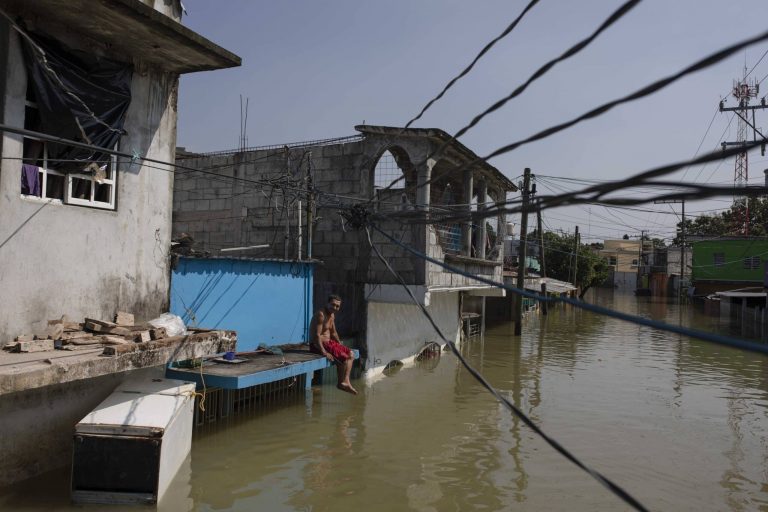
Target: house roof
{"points": [[127, 27], [455, 148]]}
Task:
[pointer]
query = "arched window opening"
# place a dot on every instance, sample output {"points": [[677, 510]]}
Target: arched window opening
{"points": [[393, 181], [388, 173]]}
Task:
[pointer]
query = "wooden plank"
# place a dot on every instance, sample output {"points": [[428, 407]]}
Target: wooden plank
{"points": [[141, 336], [147, 345], [24, 337], [106, 327], [114, 340], [75, 334], [89, 340], [123, 318], [34, 346], [100, 323]]}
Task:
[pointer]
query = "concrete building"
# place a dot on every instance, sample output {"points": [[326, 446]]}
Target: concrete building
{"points": [[83, 233], [623, 257], [257, 197]]}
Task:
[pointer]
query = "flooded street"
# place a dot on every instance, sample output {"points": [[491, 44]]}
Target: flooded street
{"points": [[680, 424]]}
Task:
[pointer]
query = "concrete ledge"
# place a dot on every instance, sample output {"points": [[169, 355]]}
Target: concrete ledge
{"points": [[21, 372]]}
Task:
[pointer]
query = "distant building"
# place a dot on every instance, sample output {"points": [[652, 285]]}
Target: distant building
{"points": [[623, 257], [727, 264]]}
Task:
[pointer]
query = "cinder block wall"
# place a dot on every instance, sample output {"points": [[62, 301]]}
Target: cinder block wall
{"points": [[250, 198]]}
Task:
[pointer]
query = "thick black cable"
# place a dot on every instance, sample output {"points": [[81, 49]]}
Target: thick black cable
{"points": [[597, 192], [573, 50], [466, 70], [652, 88], [614, 488]]}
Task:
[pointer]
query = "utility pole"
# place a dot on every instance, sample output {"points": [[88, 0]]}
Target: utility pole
{"points": [[522, 251], [541, 257], [682, 243], [310, 206], [743, 90], [640, 259], [575, 256]]}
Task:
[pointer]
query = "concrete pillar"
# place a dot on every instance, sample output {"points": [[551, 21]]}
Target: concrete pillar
{"points": [[424, 174], [480, 234], [466, 228], [501, 218]]}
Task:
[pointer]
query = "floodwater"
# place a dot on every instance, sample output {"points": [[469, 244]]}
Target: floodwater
{"points": [[680, 424]]}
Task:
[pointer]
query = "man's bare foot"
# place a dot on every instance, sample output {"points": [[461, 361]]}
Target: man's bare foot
{"points": [[347, 387]]}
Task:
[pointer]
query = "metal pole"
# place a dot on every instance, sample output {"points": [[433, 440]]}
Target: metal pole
{"points": [[299, 239], [682, 253], [542, 258], [522, 252], [576, 257], [310, 207]]}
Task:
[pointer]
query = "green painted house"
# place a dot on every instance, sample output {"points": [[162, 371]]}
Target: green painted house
{"points": [[728, 263]]}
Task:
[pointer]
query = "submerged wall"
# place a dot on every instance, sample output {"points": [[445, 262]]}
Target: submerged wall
{"points": [[38, 424], [400, 331]]}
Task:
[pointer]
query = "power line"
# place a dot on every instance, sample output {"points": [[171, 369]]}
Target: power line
{"points": [[471, 65], [573, 50], [647, 90]]}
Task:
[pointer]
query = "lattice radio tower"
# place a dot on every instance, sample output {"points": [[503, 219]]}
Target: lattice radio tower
{"points": [[743, 90]]}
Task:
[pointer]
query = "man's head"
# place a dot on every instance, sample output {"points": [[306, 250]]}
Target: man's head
{"points": [[334, 303]]}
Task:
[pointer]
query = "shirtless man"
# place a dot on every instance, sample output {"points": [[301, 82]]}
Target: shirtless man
{"points": [[324, 340]]}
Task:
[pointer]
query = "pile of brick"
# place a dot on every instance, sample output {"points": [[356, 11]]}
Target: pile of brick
{"points": [[65, 335]]}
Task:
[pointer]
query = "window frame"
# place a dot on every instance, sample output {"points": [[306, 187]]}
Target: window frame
{"points": [[69, 179]]}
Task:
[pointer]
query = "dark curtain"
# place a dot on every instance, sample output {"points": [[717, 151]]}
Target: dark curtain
{"points": [[80, 97]]}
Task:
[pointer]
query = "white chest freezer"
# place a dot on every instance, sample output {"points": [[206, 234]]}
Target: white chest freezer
{"points": [[130, 447]]}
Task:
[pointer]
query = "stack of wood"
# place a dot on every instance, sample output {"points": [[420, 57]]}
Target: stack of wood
{"points": [[90, 333]]}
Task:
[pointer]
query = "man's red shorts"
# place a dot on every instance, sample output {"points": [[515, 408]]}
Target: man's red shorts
{"points": [[333, 347]]}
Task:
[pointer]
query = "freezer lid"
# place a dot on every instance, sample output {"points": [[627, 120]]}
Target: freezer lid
{"points": [[156, 386], [134, 412]]}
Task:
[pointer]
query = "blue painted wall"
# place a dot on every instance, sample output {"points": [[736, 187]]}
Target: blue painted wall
{"points": [[265, 301]]}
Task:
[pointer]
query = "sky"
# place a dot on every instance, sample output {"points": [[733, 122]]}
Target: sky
{"points": [[313, 70]]}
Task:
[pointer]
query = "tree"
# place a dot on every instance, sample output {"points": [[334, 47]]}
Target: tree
{"points": [[591, 270], [729, 222]]}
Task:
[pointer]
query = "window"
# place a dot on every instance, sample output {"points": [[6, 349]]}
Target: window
{"points": [[612, 261], [95, 186], [752, 262], [719, 259], [634, 263]]}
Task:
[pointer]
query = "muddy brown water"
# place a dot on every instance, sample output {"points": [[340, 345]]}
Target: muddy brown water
{"points": [[681, 424]]}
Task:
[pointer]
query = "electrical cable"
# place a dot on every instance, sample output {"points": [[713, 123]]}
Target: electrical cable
{"points": [[471, 65], [614, 488]]}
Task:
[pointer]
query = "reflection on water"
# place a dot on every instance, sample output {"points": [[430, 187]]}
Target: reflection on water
{"points": [[679, 423]]}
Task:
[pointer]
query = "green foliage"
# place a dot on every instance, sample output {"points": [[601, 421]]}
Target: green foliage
{"points": [[591, 268], [728, 222]]}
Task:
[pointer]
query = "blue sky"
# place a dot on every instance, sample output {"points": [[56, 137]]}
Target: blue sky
{"points": [[313, 70]]}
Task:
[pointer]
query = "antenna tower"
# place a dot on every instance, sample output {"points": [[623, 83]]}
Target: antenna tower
{"points": [[744, 91]]}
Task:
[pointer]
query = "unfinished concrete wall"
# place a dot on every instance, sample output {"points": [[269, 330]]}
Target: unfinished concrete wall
{"points": [[252, 198], [81, 261]]}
